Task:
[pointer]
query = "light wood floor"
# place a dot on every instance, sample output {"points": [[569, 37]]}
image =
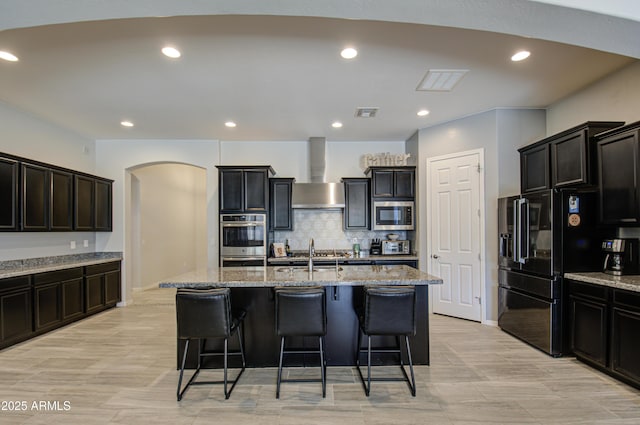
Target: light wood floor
{"points": [[119, 368]]}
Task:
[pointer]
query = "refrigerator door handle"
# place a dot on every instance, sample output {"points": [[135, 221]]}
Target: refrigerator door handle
{"points": [[521, 230], [524, 219]]}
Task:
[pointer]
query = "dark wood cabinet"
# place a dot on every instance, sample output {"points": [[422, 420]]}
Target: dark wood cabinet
{"points": [[61, 203], [8, 194], [34, 304], [625, 335], [103, 206], [357, 209], [40, 197], [392, 183], [566, 159], [84, 203], [605, 329], [244, 188], [16, 320], [590, 322], [92, 204], [56, 299], [618, 168], [280, 211], [35, 190], [102, 286], [534, 168]]}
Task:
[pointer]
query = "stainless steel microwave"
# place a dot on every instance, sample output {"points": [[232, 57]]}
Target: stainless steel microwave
{"points": [[393, 215]]}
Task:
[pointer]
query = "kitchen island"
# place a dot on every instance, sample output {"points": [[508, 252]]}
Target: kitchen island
{"points": [[252, 289]]}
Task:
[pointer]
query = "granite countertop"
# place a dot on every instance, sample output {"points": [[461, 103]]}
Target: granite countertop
{"points": [[629, 282], [272, 276], [341, 258], [14, 268]]}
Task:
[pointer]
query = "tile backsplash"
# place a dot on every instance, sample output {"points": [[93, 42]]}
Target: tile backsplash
{"points": [[326, 229]]}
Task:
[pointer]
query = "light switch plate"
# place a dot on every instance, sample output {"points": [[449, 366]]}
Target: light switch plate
{"points": [[73, 244]]}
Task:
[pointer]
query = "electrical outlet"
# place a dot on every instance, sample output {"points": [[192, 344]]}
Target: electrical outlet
{"points": [[73, 244], [85, 243]]}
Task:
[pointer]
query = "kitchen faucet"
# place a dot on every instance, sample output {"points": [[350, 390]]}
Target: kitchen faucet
{"points": [[312, 251]]}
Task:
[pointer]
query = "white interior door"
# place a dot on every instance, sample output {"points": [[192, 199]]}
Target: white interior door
{"points": [[454, 233]]}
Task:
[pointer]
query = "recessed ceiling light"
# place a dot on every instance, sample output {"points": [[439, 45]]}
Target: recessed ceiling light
{"points": [[126, 123], [230, 124], [349, 53], [8, 56], [171, 52], [521, 55], [336, 124], [423, 113]]}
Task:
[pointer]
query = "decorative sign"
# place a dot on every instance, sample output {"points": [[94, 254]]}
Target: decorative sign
{"points": [[385, 159]]}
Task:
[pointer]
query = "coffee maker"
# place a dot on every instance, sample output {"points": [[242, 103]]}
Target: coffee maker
{"points": [[622, 256]]}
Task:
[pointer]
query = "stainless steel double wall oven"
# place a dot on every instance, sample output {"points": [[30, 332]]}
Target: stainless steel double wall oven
{"points": [[243, 240]]}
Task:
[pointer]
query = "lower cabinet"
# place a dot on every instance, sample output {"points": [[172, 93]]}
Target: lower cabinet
{"points": [[38, 303], [16, 319], [102, 286], [605, 329], [625, 335]]}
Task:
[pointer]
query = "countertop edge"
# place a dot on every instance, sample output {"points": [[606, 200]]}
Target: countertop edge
{"points": [[628, 283], [65, 263]]}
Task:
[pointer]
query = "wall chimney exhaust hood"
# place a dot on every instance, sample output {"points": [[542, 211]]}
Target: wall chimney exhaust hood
{"points": [[317, 194]]}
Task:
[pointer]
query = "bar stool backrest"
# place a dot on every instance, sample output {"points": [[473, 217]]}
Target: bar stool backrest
{"points": [[203, 313], [390, 310], [301, 311]]}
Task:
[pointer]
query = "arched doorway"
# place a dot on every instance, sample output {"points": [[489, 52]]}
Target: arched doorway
{"points": [[166, 222]]}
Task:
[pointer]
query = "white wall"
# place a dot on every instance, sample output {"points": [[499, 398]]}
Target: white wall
{"points": [[28, 137], [171, 219], [499, 133], [614, 98], [117, 157], [291, 159]]}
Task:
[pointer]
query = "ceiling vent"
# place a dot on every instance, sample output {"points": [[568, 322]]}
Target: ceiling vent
{"points": [[441, 79], [362, 112]]}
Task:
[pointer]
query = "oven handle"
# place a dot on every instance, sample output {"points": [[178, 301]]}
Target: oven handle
{"points": [[242, 258], [245, 224]]}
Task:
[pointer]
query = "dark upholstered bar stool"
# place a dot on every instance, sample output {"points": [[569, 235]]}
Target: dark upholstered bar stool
{"points": [[203, 314], [301, 312], [387, 311]]}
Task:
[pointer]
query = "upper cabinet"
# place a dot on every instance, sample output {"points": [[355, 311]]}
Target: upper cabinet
{"points": [[357, 204], [244, 188], [392, 182], [8, 194], [35, 196], [280, 211], [618, 168], [566, 159]]}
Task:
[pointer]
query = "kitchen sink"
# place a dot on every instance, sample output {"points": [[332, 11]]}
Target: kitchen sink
{"points": [[292, 269]]}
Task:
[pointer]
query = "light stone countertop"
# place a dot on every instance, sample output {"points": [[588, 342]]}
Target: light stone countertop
{"points": [[271, 276], [341, 258], [629, 282], [15, 268]]}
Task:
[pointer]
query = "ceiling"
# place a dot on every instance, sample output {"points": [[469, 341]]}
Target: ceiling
{"points": [[278, 77]]}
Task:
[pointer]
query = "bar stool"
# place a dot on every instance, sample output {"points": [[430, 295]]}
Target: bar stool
{"points": [[203, 314], [301, 312], [389, 311]]}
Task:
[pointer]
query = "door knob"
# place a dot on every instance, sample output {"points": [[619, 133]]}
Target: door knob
{"points": [[435, 256]]}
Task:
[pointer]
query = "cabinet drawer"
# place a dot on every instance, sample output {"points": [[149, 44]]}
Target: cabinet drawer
{"points": [[585, 290], [102, 268], [14, 283], [629, 300], [57, 276]]}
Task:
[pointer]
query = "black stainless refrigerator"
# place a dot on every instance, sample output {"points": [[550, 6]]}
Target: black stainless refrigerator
{"points": [[542, 236]]}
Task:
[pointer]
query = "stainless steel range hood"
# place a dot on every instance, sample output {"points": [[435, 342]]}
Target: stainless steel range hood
{"points": [[317, 194]]}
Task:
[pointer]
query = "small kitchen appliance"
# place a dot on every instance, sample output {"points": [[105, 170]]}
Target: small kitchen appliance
{"points": [[396, 248], [375, 248], [622, 256]]}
